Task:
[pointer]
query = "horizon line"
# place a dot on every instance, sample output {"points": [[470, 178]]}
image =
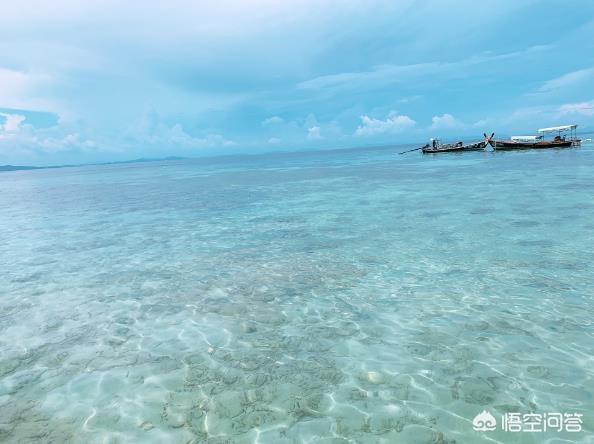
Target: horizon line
{"points": [[9, 167]]}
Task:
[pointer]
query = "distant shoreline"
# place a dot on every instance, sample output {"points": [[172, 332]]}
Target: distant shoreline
{"points": [[7, 168]]}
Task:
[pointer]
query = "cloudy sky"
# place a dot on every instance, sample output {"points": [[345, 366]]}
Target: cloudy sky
{"points": [[84, 81]]}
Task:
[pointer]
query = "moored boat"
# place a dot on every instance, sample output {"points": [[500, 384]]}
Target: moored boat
{"points": [[502, 145], [538, 141], [437, 147]]}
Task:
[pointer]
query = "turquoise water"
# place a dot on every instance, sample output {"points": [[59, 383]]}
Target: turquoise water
{"points": [[347, 296]]}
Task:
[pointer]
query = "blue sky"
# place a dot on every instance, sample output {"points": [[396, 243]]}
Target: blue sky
{"points": [[108, 80]]}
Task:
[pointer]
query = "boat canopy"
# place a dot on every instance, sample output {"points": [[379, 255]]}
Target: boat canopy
{"points": [[555, 129], [525, 138]]}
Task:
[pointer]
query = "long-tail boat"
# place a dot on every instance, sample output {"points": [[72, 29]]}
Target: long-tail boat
{"points": [[538, 141], [437, 147]]}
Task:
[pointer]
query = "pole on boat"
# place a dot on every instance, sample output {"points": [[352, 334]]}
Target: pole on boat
{"points": [[409, 151]]}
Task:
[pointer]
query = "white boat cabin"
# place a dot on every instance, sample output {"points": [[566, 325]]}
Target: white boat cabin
{"points": [[526, 138]]}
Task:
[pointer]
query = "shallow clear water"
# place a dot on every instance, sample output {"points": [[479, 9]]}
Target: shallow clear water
{"points": [[346, 296]]}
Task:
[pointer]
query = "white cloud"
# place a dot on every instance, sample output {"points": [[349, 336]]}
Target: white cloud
{"points": [[393, 123], [567, 80], [12, 123], [151, 131], [20, 90], [380, 76], [274, 120], [445, 121], [410, 99], [150, 137], [583, 108], [177, 138], [313, 133], [26, 141], [67, 142], [523, 119]]}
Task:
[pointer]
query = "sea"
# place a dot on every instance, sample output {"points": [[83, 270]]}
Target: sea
{"points": [[345, 296]]}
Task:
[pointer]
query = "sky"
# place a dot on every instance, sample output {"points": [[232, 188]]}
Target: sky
{"points": [[104, 80]]}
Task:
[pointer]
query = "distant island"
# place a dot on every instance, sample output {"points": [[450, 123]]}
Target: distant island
{"points": [[17, 168], [6, 168]]}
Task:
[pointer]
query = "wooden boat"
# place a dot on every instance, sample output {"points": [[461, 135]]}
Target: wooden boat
{"points": [[538, 142], [437, 147], [502, 145]]}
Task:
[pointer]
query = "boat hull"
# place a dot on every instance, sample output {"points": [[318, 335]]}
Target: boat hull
{"points": [[506, 145], [455, 148]]}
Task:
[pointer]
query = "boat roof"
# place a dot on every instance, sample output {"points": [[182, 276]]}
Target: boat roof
{"points": [[557, 128], [525, 137]]}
